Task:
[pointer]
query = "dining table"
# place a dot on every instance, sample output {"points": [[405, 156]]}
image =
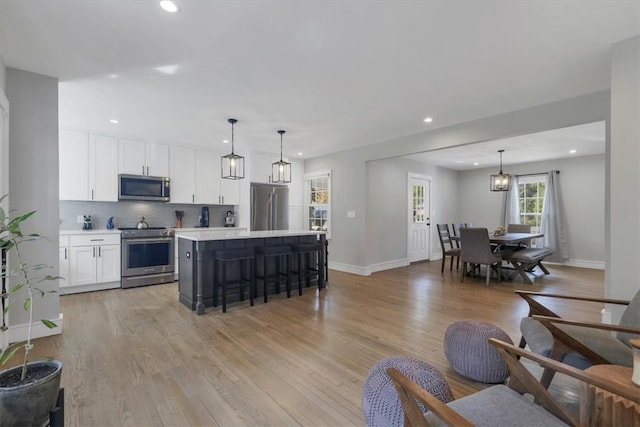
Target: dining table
{"points": [[501, 241]]}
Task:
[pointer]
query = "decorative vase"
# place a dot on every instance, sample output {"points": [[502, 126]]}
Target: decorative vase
{"points": [[30, 404]]}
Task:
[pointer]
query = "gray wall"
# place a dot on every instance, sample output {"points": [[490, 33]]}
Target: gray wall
{"points": [[3, 73], [349, 236], [128, 213], [387, 206], [621, 279], [581, 185], [33, 174]]}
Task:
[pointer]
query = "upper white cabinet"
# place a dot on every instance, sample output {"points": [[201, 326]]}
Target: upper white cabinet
{"points": [[208, 179], [88, 167], [196, 178], [182, 175], [143, 158]]}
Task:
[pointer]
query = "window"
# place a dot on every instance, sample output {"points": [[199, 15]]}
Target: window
{"points": [[418, 204], [530, 196], [318, 201]]}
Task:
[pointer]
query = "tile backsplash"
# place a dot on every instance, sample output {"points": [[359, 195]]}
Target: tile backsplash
{"points": [[128, 214]]}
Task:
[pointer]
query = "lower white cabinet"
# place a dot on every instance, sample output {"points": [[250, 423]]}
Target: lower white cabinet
{"points": [[93, 262], [64, 261]]}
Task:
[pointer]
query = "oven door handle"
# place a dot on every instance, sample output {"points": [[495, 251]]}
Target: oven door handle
{"points": [[149, 240]]}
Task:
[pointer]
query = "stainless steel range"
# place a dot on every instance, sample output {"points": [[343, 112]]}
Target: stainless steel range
{"points": [[147, 256]]}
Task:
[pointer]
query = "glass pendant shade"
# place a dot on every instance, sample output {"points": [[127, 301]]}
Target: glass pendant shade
{"points": [[281, 170], [232, 165], [501, 181]]}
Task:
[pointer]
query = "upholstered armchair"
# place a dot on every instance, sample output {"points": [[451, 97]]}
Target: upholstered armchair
{"points": [[502, 405], [580, 344]]}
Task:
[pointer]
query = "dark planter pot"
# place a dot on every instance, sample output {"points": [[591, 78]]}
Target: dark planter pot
{"points": [[29, 404]]}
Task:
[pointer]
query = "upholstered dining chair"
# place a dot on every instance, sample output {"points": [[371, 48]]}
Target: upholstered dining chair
{"points": [[580, 344], [475, 249], [516, 228], [447, 247]]}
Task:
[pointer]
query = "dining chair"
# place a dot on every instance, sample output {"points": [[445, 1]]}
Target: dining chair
{"points": [[476, 250], [455, 229], [447, 247]]}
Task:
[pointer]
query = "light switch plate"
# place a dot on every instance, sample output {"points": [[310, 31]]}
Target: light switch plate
{"points": [[80, 219], [351, 214]]}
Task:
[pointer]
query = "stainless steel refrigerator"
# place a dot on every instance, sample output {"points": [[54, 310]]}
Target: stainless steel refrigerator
{"points": [[269, 207]]}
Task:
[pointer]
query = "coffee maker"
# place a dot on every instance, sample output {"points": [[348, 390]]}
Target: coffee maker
{"points": [[230, 219], [204, 217]]}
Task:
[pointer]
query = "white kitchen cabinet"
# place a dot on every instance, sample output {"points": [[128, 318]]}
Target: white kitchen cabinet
{"points": [[182, 175], [64, 261], [196, 178], [229, 191], [94, 262], [143, 158], [207, 170], [88, 167]]}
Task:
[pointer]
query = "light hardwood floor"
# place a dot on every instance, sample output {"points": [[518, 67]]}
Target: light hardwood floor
{"points": [[138, 357]]}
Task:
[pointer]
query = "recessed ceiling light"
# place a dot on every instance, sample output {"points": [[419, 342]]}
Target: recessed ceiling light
{"points": [[299, 154], [225, 141], [428, 120], [114, 121], [573, 151], [169, 6], [475, 163]]}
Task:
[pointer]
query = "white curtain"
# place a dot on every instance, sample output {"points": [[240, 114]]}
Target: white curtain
{"points": [[511, 205], [553, 221]]}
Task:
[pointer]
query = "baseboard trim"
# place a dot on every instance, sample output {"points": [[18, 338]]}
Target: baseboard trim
{"points": [[580, 263], [388, 265], [18, 333], [348, 268]]}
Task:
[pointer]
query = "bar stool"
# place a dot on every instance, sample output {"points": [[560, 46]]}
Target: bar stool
{"points": [[221, 259], [306, 269], [282, 255]]}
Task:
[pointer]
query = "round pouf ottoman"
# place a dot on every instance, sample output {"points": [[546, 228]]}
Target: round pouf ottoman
{"points": [[468, 351], [380, 402]]}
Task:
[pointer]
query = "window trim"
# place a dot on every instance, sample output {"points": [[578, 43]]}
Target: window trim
{"points": [[307, 199]]}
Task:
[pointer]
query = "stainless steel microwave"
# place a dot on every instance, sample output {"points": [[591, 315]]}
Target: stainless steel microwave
{"points": [[142, 187]]}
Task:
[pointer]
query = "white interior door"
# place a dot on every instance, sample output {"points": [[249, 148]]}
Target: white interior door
{"points": [[419, 224]]}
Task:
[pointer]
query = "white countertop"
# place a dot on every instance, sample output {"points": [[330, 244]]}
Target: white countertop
{"points": [[80, 232], [200, 235], [206, 229]]}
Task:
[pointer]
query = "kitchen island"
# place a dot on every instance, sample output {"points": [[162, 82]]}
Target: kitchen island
{"points": [[195, 257]]}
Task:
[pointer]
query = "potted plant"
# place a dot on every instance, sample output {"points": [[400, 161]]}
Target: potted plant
{"points": [[27, 391]]}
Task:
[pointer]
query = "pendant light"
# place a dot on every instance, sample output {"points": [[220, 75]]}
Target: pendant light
{"points": [[281, 171], [500, 182], [232, 165]]}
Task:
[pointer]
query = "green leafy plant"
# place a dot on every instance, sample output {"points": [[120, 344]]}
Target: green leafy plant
{"points": [[11, 240]]}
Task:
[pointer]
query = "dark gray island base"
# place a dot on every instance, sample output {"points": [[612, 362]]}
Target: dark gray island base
{"points": [[195, 258]]}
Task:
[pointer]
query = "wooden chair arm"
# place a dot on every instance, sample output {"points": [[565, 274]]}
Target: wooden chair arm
{"points": [[409, 392], [581, 375], [573, 297], [594, 325]]}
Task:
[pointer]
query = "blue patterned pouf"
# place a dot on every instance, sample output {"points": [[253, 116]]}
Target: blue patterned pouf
{"points": [[466, 345], [380, 401]]}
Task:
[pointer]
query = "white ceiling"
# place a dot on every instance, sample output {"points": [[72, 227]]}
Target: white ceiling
{"points": [[582, 140], [334, 74]]}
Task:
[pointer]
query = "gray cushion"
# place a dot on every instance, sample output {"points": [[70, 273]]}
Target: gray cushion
{"points": [[499, 406], [604, 343], [630, 317]]}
